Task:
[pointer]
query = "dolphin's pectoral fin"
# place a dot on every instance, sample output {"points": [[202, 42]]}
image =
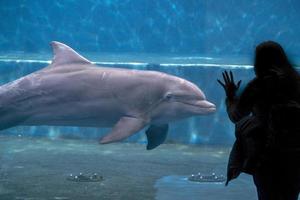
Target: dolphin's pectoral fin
{"points": [[125, 127], [156, 135]]}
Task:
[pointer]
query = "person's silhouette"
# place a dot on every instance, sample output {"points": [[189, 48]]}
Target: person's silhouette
{"points": [[267, 119]]}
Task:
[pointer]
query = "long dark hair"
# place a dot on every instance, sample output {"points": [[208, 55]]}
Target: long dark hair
{"points": [[270, 57], [271, 61]]}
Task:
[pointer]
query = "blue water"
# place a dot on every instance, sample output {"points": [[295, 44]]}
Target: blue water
{"points": [[192, 39], [203, 27]]}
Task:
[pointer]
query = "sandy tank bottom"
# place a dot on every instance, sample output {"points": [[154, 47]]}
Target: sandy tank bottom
{"points": [[38, 169]]}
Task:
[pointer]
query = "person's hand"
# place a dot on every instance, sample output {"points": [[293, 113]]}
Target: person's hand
{"points": [[229, 86]]}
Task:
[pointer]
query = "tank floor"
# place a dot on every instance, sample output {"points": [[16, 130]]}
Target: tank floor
{"points": [[37, 169]]}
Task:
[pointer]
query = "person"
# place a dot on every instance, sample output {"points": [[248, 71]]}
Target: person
{"points": [[267, 121]]}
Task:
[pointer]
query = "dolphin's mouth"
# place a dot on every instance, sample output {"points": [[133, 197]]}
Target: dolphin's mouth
{"points": [[212, 109], [204, 106]]}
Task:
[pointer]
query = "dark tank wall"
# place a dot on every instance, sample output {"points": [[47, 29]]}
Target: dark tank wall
{"points": [[210, 129], [213, 27]]}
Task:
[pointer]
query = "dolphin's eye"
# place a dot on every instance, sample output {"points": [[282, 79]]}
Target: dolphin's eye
{"points": [[168, 96]]}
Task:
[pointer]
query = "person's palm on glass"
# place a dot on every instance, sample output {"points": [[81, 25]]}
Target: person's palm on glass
{"points": [[229, 85]]}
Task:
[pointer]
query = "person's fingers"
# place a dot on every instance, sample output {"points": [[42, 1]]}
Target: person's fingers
{"points": [[231, 77], [222, 84], [238, 84], [225, 79]]}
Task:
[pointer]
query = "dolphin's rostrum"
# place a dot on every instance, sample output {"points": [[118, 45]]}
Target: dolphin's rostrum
{"points": [[71, 91]]}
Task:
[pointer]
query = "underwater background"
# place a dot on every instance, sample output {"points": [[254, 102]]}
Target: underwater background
{"points": [[193, 39], [201, 27]]}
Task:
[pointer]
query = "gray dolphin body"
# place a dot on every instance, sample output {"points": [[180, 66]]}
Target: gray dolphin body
{"points": [[71, 91]]}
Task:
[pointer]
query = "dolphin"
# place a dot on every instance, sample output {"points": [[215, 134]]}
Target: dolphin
{"points": [[72, 91]]}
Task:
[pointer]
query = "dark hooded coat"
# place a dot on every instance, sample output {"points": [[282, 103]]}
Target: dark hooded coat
{"points": [[267, 117]]}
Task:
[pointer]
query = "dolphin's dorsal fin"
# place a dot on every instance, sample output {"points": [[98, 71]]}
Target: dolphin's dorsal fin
{"points": [[64, 54]]}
